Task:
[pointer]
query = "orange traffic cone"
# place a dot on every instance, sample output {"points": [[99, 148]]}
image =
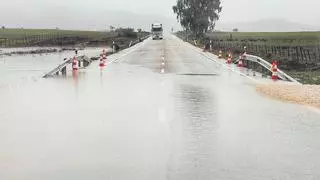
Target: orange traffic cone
{"points": [[75, 64], [102, 63], [229, 59], [274, 70], [103, 57], [241, 61], [275, 75], [220, 54], [103, 52]]}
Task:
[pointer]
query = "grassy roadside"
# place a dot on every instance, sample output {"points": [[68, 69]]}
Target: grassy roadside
{"points": [[306, 77], [55, 37], [22, 33], [273, 38]]}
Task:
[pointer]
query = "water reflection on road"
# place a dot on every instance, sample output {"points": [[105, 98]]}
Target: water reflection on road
{"points": [[130, 121], [197, 120]]}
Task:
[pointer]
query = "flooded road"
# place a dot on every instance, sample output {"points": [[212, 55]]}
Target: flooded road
{"points": [[21, 69], [159, 111]]}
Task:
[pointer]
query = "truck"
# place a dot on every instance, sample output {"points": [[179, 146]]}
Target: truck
{"points": [[157, 31]]}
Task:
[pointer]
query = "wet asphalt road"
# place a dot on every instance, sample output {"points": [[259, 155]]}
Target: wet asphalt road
{"points": [[159, 111]]}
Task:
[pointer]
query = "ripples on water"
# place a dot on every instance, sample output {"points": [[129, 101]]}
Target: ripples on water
{"points": [[197, 113]]}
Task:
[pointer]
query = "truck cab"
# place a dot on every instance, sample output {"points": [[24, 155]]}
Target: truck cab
{"points": [[157, 31]]}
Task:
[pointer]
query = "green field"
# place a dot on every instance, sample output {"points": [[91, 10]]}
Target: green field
{"points": [[274, 38], [306, 77], [26, 37], [29, 37], [22, 33]]}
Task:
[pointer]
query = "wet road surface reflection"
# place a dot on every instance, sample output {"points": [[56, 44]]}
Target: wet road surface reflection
{"points": [[197, 120], [130, 121]]}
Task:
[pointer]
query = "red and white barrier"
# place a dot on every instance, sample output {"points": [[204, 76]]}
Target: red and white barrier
{"points": [[220, 54], [229, 59], [103, 53], [274, 69], [241, 60], [103, 58], [102, 63], [75, 64]]}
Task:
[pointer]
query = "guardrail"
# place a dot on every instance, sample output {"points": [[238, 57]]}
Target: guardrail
{"points": [[132, 43], [282, 75], [63, 66], [86, 61]]}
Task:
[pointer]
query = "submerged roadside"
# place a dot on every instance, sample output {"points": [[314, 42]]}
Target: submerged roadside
{"points": [[31, 41]]}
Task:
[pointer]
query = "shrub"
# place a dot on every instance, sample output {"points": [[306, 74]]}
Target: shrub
{"points": [[126, 32]]}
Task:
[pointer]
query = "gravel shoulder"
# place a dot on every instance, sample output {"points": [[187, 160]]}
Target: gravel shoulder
{"points": [[300, 94]]}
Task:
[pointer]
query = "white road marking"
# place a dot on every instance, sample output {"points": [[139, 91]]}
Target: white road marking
{"points": [[226, 66]]}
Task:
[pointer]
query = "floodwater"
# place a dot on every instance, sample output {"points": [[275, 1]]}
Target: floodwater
{"points": [[159, 111], [20, 69]]}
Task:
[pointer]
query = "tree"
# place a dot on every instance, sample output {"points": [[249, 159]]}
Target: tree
{"points": [[139, 30], [235, 30], [3, 27], [199, 16]]}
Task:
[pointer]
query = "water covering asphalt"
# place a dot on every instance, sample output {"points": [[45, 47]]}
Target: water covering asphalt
{"points": [[159, 111]]}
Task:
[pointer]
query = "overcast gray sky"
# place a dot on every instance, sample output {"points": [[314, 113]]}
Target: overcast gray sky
{"points": [[13, 11]]}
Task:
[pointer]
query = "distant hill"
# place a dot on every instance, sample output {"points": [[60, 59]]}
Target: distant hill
{"points": [[267, 25], [65, 17], [83, 19]]}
